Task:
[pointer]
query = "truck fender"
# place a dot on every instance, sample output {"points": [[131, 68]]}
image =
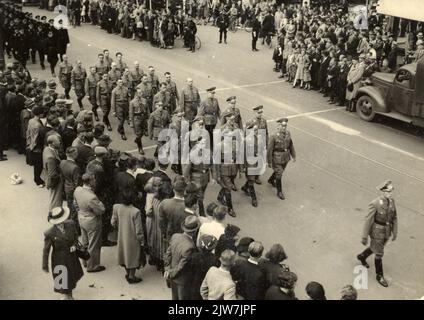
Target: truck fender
{"points": [[378, 101]]}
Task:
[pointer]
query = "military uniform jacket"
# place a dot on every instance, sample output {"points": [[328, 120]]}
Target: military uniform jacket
{"points": [[198, 173], [128, 81], [78, 76], [190, 101], [136, 75], [90, 84], [139, 107], [120, 98], [226, 169], [146, 90], [121, 66], [104, 88], [158, 120], [232, 112], [65, 71], [262, 124], [210, 110], [280, 148], [172, 88], [165, 98], [154, 82], [381, 221], [108, 61], [113, 76], [102, 68]]}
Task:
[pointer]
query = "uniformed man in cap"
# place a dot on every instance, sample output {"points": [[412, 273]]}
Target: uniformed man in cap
{"points": [[128, 82], [252, 169], [158, 120], [90, 86], [120, 105], [232, 111], [176, 123], [41, 43], [78, 76], [261, 124], [210, 111], [280, 151], [172, 88], [103, 96], [200, 172], [226, 168], [138, 115], [146, 91], [380, 225], [190, 101], [64, 73], [165, 97]]}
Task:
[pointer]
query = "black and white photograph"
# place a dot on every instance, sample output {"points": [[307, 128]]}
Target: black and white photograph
{"points": [[193, 150]]}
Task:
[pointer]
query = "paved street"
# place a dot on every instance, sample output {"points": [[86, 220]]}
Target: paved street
{"points": [[341, 159]]}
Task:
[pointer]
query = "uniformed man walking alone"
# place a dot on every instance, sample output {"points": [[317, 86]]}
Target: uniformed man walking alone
{"points": [[380, 224], [210, 111]]}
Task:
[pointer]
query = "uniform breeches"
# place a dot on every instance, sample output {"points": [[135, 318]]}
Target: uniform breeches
{"points": [[140, 126], [279, 169], [122, 114], [105, 105]]}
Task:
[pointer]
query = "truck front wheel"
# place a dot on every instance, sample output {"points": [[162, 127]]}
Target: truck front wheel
{"points": [[365, 108]]}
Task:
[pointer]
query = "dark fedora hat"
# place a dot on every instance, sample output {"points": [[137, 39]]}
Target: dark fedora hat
{"points": [[190, 224]]}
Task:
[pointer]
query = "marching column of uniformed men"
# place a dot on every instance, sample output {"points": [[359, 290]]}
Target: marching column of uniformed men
{"points": [[25, 35]]}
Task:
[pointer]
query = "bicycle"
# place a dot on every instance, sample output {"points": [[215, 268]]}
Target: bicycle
{"points": [[198, 43], [248, 26]]}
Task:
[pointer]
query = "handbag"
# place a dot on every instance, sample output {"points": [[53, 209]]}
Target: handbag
{"points": [[82, 252]]}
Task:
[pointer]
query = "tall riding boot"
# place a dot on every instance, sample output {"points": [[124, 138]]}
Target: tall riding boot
{"points": [[253, 196], [229, 202], [94, 110], [245, 188], [220, 197], [271, 179], [363, 257], [79, 100], [201, 208], [379, 272], [280, 189]]}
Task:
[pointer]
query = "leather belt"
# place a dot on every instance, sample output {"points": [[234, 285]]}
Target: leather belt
{"points": [[382, 223], [281, 150]]}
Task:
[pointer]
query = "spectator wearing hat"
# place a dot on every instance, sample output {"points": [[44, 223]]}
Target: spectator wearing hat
{"points": [[380, 225], [218, 283], [125, 180], [227, 240], [177, 256], [90, 210], [24, 117], [349, 293], [172, 211], [71, 175], [35, 143], [315, 291], [354, 83], [250, 278], [285, 289], [127, 218], [215, 227], [273, 265], [62, 239], [51, 171], [280, 152], [243, 249], [200, 262], [83, 144]]}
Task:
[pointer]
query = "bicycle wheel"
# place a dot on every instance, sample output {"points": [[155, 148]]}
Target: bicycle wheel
{"points": [[198, 43]]}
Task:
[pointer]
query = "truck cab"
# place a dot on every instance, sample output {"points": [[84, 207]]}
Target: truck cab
{"points": [[399, 95]]}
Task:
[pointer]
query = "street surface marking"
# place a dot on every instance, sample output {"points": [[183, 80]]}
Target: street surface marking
{"points": [[247, 85]]}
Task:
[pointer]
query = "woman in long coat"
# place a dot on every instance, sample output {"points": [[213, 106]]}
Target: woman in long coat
{"points": [[156, 242], [130, 235], [62, 238]]}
